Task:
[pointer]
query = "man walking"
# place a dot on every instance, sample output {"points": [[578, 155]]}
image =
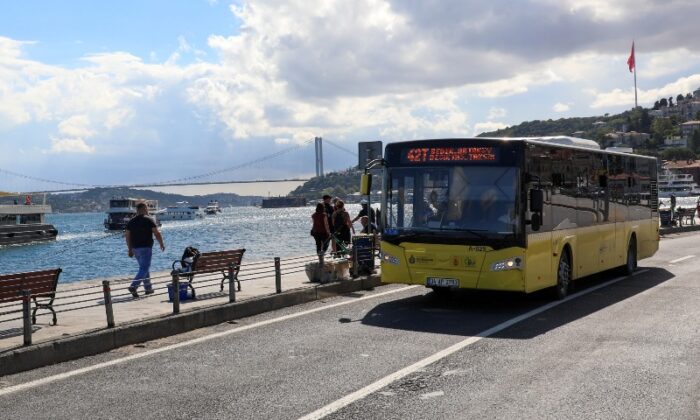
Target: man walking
{"points": [[139, 239]]}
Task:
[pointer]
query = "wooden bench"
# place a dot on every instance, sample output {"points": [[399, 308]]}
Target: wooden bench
{"points": [[40, 285], [687, 215], [214, 262]]}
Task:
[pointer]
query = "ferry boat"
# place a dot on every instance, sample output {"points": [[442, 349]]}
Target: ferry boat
{"points": [[24, 223], [212, 207], [121, 210], [680, 185], [182, 210]]}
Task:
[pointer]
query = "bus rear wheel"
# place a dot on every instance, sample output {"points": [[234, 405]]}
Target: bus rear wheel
{"points": [[561, 290]]}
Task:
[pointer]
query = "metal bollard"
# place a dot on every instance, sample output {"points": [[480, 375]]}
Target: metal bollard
{"points": [[26, 303], [231, 285], [108, 303], [176, 291], [355, 263], [278, 275]]}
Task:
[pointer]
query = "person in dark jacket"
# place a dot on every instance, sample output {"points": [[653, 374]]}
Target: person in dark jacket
{"points": [[139, 240], [320, 229], [342, 225]]}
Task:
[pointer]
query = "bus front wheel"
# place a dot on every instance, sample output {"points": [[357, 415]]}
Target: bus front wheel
{"points": [[631, 264], [563, 276]]}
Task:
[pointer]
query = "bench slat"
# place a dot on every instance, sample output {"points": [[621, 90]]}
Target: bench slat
{"points": [[39, 283]]}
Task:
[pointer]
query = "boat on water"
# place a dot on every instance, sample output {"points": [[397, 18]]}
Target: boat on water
{"points": [[24, 223], [122, 209], [212, 208], [680, 185], [182, 210]]}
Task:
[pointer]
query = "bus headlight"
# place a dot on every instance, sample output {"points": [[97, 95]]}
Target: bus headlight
{"points": [[390, 259], [515, 263]]}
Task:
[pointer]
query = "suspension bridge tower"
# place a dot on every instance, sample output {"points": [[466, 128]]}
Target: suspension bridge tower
{"points": [[318, 143]]}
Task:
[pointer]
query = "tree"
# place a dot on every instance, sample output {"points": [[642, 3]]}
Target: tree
{"points": [[694, 142], [670, 101], [678, 153], [663, 102], [656, 105], [680, 98], [644, 122], [661, 128]]}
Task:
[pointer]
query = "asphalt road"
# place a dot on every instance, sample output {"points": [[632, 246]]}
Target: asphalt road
{"points": [[622, 348]]}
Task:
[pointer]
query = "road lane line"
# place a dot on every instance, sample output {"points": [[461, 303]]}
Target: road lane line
{"points": [[383, 382], [69, 374], [677, 260]]}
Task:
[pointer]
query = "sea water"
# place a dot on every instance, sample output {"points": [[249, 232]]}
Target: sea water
{"points": [[84, 250]]}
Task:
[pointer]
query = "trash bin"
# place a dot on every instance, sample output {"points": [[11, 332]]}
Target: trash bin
{"points": [[183, 292]]}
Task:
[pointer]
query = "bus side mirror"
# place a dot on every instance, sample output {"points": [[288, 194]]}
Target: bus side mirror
{"points": [[536, 201], [535, 221], [366, 184]]}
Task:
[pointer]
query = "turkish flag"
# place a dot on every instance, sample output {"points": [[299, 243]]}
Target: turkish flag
{"points": [[630, 61]]}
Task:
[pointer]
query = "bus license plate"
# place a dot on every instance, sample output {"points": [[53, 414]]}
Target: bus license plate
{"points": [[442, 282]]}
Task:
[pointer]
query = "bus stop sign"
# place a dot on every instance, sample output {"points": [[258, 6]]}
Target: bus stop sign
{"points": [[368, 151]]}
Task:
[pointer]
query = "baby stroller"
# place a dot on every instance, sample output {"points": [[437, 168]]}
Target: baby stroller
{"points": [[188, 261]]}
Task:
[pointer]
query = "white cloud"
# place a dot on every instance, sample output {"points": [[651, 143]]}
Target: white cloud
{"points": [[620, 97], [68, 145], [496, 112], [487, 126], [561, 107], [282, 141]]}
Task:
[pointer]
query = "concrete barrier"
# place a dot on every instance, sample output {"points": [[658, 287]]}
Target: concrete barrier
{"points": [[88, 344]]}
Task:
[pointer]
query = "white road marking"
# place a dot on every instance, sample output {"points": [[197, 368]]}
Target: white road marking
{"points": [[383, 382], [677, 260], [69, 374]]}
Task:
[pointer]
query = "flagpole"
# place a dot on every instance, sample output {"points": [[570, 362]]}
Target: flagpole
{"points": [[635, 85]]}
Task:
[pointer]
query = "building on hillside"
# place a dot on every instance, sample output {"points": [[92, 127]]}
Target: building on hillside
{"points": [[579, 134], [626, 139], [674, 142], [688, 109], [696, 94], [656, 113], [688, 127], [599, 124]]}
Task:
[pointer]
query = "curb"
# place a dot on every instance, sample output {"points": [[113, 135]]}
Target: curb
{"points": [[103, 340], [681, 229]]}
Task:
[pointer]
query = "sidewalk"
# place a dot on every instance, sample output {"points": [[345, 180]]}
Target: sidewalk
{"points": [[86, 313]]}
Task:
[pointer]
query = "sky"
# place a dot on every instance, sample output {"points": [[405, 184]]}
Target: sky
{"points": [[104, 93]]}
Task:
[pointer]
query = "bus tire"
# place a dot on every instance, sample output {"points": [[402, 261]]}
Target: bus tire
{"points": [[441, 292], [631, 262], [561, 290]]}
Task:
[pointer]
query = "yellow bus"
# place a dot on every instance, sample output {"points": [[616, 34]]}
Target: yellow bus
{"points": [[514, 214]]}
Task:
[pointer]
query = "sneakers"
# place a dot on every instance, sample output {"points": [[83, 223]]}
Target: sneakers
{"points": [[149, 291], [133, 291]]}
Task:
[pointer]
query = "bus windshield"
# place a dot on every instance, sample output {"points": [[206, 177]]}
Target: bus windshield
{"points": [[471, 201]]}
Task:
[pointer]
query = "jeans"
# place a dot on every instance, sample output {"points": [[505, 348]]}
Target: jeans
{"points": [[322, 242], [143, 257]]}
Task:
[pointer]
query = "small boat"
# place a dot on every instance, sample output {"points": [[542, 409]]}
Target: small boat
{"points": [[121, 210], [212, 208], [182, 210], [24, 223]]}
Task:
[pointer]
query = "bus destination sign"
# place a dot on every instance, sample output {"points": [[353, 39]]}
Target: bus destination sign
{"points": [[450, 154]]}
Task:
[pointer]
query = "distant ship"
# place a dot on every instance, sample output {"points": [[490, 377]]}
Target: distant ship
{"points": [[121, 210], [212, 208], [24, 223], [277, 202], [182, 210]]}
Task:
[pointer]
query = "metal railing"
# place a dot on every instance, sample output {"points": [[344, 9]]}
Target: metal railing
{"points": [[114, 291]]}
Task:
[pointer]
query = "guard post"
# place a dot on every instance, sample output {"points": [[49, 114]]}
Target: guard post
{"points": [[278, 275], [176, 291], [108, 303], [26, 302]]}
